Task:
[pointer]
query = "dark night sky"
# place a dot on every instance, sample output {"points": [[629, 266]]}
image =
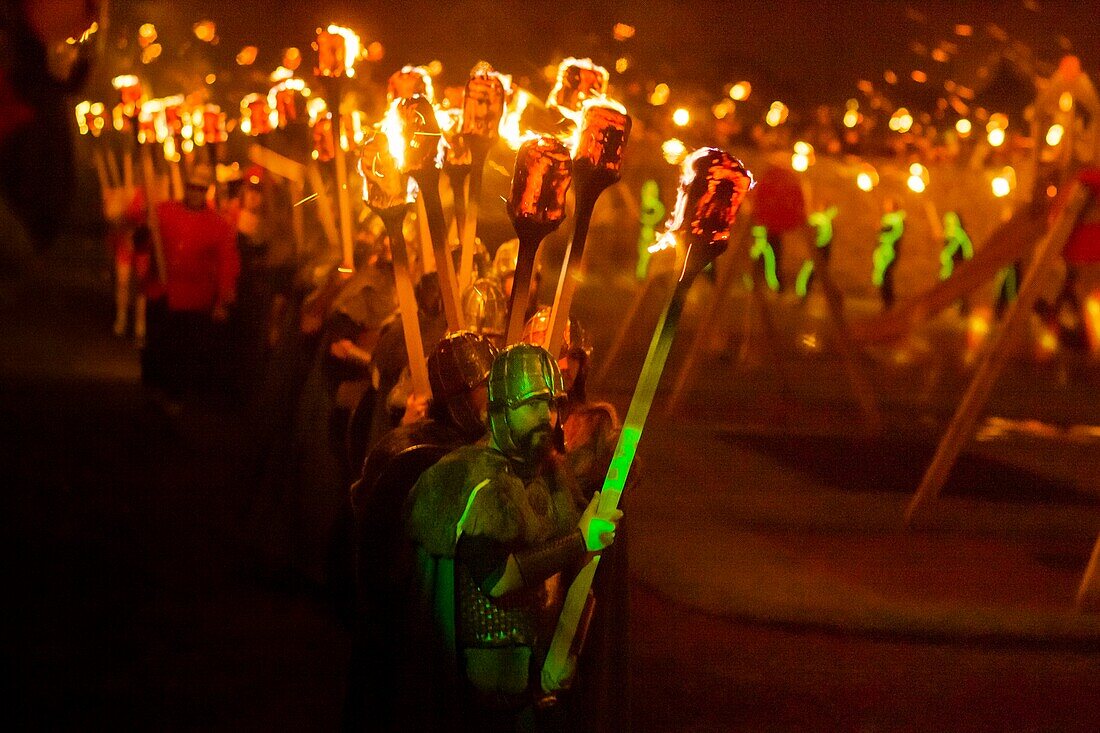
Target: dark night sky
{"points": [[807, 52]]}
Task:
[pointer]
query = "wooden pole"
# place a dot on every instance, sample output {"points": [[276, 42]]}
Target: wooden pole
{"points": [[394, 219], [343, 201], [427, 179], [1088, 595], [479, 151], [324, 206], [101, 172], [995, 355], [148, 182], [427, 255], [570, 276], [521, 286], [561, 645], [112, 167]]}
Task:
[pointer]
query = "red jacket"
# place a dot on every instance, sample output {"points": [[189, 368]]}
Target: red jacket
{"points": [[200, 255]]}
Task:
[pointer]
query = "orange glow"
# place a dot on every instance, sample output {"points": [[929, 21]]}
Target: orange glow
{"points": [[1092, 322], [623, 32], [338, 49], [977, 329], [205, 30], [510, 130], [247, 56], [577, 80], [659, 95], [919, 76], [292, 58], [740, 91]]}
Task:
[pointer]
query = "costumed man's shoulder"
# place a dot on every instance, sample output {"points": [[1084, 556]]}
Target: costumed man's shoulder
{"points": [[403, 453], [468, 487]]}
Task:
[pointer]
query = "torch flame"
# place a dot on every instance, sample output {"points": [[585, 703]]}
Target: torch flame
{"points": [[83, 109], [384, 186], [712, 185], [337, 58], [510, 122], [408, 81], [393, 130], [577, 80]]}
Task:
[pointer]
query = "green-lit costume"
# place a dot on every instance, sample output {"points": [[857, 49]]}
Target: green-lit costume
{"points": [[470, 515], [652, 213], [885, 255], [957, 246], [822, 222], [764, 250]]}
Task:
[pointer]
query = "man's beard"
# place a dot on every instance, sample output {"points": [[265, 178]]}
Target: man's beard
{"points": [[537, 446]]}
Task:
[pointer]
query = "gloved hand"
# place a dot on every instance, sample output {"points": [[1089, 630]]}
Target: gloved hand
{"points": [[597, 529]]}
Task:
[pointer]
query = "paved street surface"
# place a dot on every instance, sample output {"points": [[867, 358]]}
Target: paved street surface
{"points": [[774, 588]]}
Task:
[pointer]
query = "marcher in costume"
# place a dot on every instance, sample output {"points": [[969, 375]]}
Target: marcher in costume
{"points": [[188, 311], [591, 430], [458, 369], [500, 529], [886, 253], [822, 223]]}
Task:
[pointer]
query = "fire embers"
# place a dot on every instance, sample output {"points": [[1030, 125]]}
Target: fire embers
{"points": [[578, 80], [712, 186], [421, 132], [601, 139], [383, 184], [408, 81], [483, 103], [540, 181]]}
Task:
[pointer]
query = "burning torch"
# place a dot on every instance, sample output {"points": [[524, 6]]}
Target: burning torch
{"points": [[540, 180], [338, 49], [712, 187], [578, 80], [483, 103], [421, 159], [386, 190], [597, 163]]}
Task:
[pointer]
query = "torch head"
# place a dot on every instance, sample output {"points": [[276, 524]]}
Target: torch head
{"points": [[409, 81], [255, 108], [129, 93], [483, 103], [540, 181], [578, 80], [213, 125], [458, 153], [324, 142], [601, 139], [712, 185], [421, 131], [384, 186]]}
